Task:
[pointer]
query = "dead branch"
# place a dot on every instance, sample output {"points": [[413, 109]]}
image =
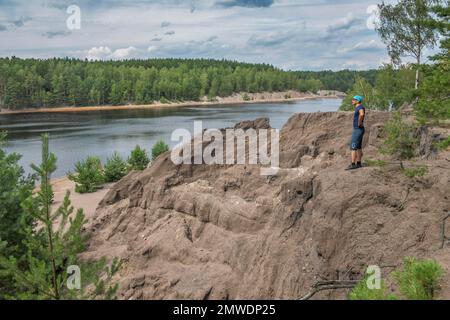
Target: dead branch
{"points": [[402, 204], [444, 237], [329, 285]]}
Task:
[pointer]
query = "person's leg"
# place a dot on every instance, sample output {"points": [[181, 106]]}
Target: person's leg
{"points": [[353, 164], [359, 155], [353, 148], [354, 156]]}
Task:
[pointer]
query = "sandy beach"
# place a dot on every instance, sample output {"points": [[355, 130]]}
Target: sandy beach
{"points": [[263, 97], [87, 201]]}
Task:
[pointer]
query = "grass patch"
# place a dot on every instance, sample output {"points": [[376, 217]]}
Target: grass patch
{"points": [[415, 172]]}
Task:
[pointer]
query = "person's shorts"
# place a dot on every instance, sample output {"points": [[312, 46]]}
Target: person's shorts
{"points": [[357, 138]]}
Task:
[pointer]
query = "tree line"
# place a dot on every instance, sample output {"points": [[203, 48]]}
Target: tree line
{"points": [[342, 80], [36, 83]]}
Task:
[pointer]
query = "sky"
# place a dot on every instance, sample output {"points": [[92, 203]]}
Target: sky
{"points": [[289, 34]]}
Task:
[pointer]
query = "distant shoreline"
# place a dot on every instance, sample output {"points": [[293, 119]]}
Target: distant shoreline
{"points": [[263, 97]]}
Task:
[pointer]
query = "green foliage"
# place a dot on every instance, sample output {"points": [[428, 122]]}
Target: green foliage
{"points": [[138, 159], [159, 148], [164, 100], [342, 80], [115, 168], [434, 103], [363, 88], [35, 83], [15, 187], [416, 280], [399, 140], [419, 280], [376, 163], [245, 97], [362, 292], [404, 28], [394, 87], [415, 172], [53, 242], [88, 175], [444, 144]]}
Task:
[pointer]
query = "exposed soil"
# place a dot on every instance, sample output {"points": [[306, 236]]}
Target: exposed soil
{"points": [[226, 232]]}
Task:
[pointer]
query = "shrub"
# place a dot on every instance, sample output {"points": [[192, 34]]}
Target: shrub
{"points": [[399, 138], [159, 148], [115, 168], [89, 175], [419, 279], [415, 172], [245, 97], [362, 292], [164, 100], [138, 159]]}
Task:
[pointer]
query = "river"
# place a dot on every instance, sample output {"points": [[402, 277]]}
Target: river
{"points": [[74, 136]]}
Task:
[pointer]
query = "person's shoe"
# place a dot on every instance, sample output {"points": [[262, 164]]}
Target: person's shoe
{"points": [[351, 167], [359, 165]]}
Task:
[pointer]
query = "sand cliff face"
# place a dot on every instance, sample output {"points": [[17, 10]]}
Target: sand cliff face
{"points": [[226, 232]]}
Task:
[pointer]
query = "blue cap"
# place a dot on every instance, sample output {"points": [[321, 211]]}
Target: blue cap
{"points": [[358, 98]]}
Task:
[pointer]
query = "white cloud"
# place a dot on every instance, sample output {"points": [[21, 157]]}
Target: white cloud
{"points": [[105, 53], [371, 45], [124, 53], [343, 24], [98, 53]]}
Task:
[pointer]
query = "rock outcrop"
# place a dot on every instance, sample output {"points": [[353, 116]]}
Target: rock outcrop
{"points": [[226, 232]]}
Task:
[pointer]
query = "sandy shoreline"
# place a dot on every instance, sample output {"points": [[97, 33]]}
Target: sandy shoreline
{"points": [[263, 97], [86, 201]]}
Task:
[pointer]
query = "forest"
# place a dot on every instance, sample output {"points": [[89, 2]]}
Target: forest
{"points": [[36, 83]]}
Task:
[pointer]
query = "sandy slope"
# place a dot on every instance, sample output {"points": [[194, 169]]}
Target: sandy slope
{"points": [[88, 201]]}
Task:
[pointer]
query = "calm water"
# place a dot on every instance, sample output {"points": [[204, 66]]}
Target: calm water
{"points": [[74, 136]]}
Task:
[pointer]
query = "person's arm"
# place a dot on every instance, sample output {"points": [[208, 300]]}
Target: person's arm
{"points": [[361, 118]]}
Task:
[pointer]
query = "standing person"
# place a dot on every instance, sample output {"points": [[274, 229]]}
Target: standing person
{"points": [[358, 133]]}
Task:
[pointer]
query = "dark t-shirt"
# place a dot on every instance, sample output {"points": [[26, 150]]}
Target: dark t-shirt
{"points": [[356, 116]]}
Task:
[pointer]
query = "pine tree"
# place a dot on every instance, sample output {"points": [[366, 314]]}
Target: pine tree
{"points": [[15, 187], [159, 148], [138, 159], [54, 242], [88, 175], [115, 168]]}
